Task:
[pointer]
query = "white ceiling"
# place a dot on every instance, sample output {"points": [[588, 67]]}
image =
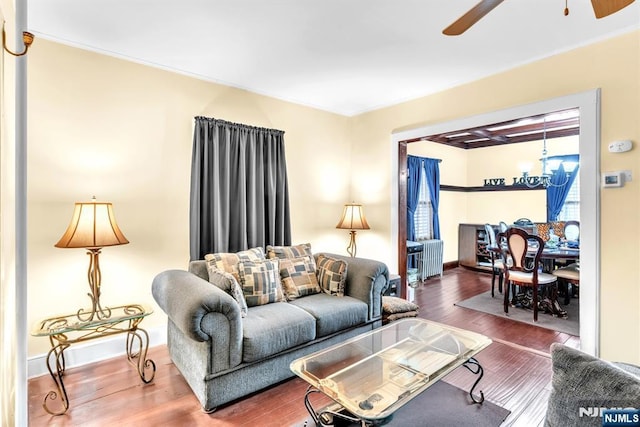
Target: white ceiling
{"points": [[344, 56]]}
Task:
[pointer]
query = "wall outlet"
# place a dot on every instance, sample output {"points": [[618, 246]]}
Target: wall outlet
{"points": [[628, 176]]}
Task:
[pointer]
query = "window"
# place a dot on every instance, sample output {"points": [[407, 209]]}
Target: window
{"points": [[423, 218], [571, 208]]}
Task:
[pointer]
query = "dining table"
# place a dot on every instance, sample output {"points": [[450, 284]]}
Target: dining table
{"points": [[551, 254]]}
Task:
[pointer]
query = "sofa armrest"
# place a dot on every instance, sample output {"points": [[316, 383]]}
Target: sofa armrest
{"points": [[202, 311], [367, 279]]}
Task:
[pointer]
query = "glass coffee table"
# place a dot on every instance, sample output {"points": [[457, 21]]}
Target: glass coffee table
{"points": [[371, 376]]}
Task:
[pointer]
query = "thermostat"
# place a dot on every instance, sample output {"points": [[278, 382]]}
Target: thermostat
{"points": [[612, 179], [620, 146]]}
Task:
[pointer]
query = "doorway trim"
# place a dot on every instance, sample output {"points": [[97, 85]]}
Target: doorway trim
{"points": [[588, 103]]}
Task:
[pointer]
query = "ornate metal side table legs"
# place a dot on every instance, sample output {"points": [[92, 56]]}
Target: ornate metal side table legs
{"points": [[67, 330], [139, 358], [56, 366]]}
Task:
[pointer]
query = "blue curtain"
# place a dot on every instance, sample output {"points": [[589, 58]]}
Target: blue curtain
{"points": [[432, 173], [414, 169], [557, 193], [431, 167]]}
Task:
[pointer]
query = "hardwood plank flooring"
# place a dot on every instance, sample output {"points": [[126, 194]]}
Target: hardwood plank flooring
{"points": [[517, 373]]}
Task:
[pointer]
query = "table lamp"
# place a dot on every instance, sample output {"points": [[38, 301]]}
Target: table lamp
{"points": [[93, 226], [352, 219]]}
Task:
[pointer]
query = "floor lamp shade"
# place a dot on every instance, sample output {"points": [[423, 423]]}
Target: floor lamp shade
{"points": [[352, 219]]}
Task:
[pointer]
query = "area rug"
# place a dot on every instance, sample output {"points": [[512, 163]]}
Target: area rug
{"points": [[444, 405], [569, 325]]}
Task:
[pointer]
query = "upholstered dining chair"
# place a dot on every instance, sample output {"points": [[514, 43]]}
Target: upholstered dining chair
{"points": [[572, 230], [569, 275], [523, 270], [497, 265]]}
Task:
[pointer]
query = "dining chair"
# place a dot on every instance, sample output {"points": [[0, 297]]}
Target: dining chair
{"points": [[569, 275], [497, 266], [572, 231], [502, 226], [525, 270]]}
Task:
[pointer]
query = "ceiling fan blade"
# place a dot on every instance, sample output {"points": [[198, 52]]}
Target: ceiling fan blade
{"points": [[471, 17], [604, 8]]}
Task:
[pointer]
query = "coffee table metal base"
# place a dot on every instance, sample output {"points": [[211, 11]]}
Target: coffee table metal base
{"points": [[334, 414]]}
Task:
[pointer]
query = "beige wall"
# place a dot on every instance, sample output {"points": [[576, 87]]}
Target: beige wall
{"points": [[122, 131], [613, 66]]}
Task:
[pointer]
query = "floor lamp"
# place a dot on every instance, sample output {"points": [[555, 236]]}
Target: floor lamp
{"points": [[352, 219]]}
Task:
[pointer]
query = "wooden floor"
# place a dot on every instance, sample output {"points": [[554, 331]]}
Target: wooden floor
{"points": [[517, 376]]}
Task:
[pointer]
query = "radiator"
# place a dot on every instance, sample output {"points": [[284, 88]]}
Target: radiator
{"points": [[431, 258]]}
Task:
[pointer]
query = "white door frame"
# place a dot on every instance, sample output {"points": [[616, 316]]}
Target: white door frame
{"points": [[588, 103]]}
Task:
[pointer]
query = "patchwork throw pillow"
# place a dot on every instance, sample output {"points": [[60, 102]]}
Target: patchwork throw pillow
{"points": [[298, 277], [260, 282], [332, 275], [228, 283], [229, 261], [283, 252]]}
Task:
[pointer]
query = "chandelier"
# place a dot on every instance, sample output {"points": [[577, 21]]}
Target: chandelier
{"points": [[556, 170]]}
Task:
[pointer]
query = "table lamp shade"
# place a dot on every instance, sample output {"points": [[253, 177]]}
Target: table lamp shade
{"points": [[353, 218], [93, 225]]}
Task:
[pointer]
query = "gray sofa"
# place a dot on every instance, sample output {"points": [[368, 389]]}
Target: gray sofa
{"points": [[224, 356], [582, 386]]}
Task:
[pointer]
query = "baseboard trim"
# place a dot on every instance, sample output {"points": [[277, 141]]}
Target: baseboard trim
{"points": [[450, 265], [93, 351]]}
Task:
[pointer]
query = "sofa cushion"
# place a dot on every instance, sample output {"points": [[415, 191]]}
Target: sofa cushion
{"points": [[581, 380], [332, 274], [333, 314], [296, 251], [272, 328], [298, 277], [229, 261], [228, 283], [260, 281]]}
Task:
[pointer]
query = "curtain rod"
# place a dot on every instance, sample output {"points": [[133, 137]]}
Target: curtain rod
{"points": [[430, 158]]}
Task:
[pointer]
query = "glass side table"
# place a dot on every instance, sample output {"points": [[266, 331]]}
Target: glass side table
{"points": [[63, 331]]}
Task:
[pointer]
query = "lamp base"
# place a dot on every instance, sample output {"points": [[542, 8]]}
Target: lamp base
{"points": [[95, 277], [351, 249]]}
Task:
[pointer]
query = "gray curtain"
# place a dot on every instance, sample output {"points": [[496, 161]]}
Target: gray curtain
{"points": [[239, 191]]}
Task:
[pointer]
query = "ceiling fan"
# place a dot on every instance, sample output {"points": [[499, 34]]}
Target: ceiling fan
{"points": [[601, 8]]}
